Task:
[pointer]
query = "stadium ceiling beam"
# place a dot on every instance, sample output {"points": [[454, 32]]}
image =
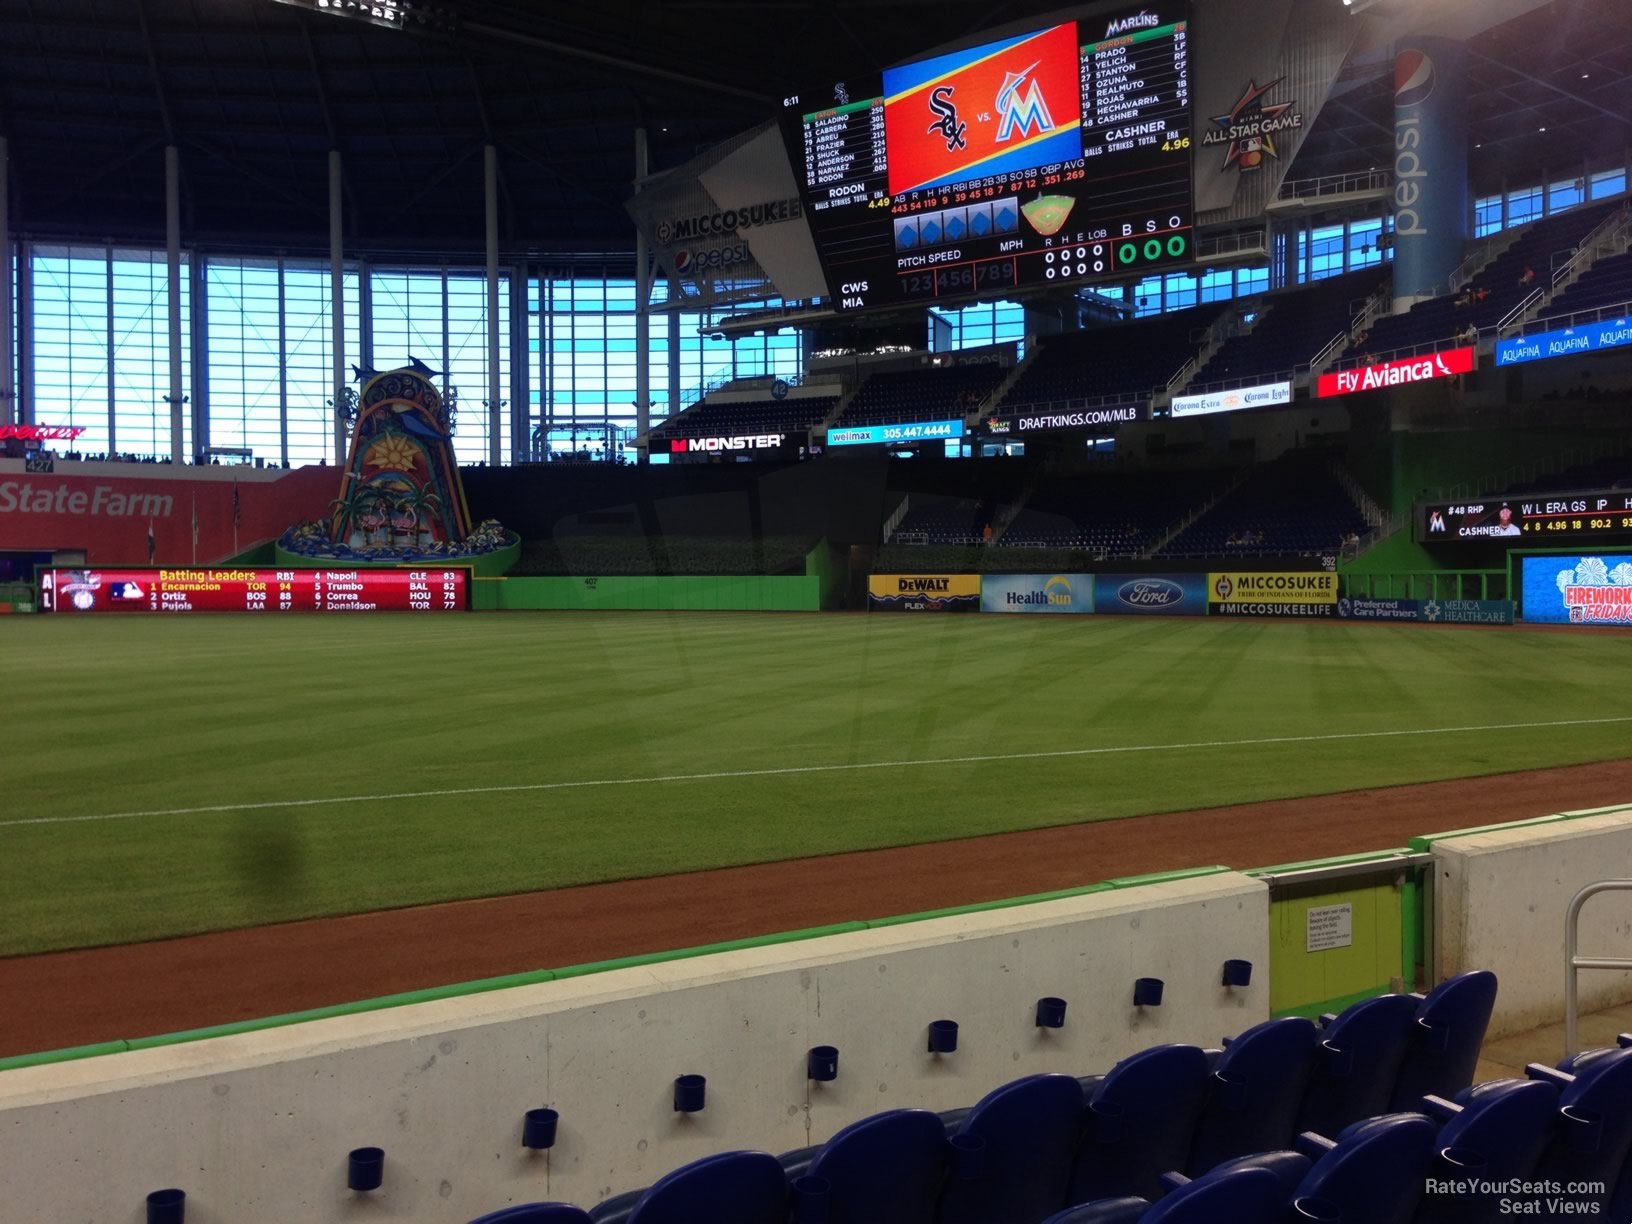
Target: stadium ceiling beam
{"points": [[264, 181], [158, 77], [68, 188], [502, 179], [622, 64], [1551, 86]]}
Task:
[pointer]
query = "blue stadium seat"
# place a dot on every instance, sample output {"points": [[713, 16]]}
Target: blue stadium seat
{"points": [[1127, 1210], [536, 1213], [731, 1188], [1026, 1133], [1254, 1093], [1372, 1174], [1449, 1029], [1139, 1123], [1592, 1139], [1290, 1168], [890, 1167], [1357, 1063], [1244, 1192], [1494, 1131]]}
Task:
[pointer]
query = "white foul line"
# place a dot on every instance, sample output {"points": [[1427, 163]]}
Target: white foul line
{"points": [[810, 769]]}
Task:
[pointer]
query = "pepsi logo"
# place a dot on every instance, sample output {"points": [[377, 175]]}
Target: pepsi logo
{"points": [[682, 262], [1414, 77]]}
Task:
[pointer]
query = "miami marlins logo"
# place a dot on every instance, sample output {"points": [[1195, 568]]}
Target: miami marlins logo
{"points": [[951, 130], [1022, 113]]}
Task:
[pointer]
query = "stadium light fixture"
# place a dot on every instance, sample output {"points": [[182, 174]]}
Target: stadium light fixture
{"points": [[391, 14]]}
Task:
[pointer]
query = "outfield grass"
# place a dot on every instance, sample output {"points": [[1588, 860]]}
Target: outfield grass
{"points": [[154, 714]]}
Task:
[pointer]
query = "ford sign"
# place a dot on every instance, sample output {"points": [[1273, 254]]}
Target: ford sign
{"points": [[1150, 593]]}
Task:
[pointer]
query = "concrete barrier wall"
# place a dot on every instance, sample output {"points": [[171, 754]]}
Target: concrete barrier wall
{"points": [[1500, 903], [256, 1127]]}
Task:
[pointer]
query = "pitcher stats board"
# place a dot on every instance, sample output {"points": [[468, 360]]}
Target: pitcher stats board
{"points": [[1056, 155]]}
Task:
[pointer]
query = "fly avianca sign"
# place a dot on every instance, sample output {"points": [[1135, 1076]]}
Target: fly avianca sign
{"points": [[698, 446], [1400, 373]]}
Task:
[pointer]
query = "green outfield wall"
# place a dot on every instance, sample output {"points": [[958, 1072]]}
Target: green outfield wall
{"points": [[820, 586]]}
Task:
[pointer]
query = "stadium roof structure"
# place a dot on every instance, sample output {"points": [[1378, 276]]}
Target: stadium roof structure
{"points": [[255, 92]]}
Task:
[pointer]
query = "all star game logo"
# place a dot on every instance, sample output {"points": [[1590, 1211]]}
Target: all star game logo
{"points": [[1252, 126]]}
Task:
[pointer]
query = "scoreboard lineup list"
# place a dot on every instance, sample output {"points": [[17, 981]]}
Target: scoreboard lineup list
{"points": [[255, 590], [1124, 204]]}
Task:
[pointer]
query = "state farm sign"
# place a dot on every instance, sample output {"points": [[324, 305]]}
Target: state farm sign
{"points": [[1398, 373]]}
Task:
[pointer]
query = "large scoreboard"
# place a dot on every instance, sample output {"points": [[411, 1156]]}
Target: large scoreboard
{"points": [[1056, 155], [1562, 518], [255, 590]]}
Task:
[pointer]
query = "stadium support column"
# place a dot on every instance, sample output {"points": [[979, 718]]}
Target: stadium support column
{"points": [[337, 301], [1430, 166], [8, 388], [673, 320], [643, 306], [172, 257], [495, 412]]}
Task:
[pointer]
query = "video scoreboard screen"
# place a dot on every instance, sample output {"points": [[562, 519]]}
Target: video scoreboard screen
{"points": [[1059, 155], [255, 590], [1564, 517]]}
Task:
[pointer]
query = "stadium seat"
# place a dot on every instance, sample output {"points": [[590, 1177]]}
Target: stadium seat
{"points": [[1357, 1062], [1290, 1168], [1372, 1174], [1240, 1192], [1127, 1210], [1592, 1138], [1494, 1132], [1025, 1134], [536, 1213], [1449, 1029], [1254, 1093], [731, 1188], [1139, 1124], [889, 1167]]}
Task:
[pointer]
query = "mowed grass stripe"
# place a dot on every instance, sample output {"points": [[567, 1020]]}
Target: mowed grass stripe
{"points": [[155, 714]]}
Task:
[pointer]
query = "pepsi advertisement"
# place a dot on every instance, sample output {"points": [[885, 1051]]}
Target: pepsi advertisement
{"points": [[1150, 594], [1560, 589]]}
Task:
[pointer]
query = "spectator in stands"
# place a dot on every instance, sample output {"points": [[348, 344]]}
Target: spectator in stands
{"points": [[986, 534], [1528, 276], [1469, 334]]}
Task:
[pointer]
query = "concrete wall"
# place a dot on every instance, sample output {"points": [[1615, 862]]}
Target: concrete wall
{"points": [[1500, 905], [256, 1127]]}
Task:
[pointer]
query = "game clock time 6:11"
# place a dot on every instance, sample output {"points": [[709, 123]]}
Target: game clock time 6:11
{"points": [[1059, 154]]}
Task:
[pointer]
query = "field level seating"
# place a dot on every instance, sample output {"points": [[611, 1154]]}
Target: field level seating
{"points": [[1350, 1120]]}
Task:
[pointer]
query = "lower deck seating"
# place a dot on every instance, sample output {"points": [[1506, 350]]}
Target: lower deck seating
{"points": [[1180, 1135]]}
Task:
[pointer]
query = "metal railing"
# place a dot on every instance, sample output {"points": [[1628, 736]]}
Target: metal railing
{"points": [[1618, 310], [1242, 242], [1336, 184], [1574, 962], [1371, 309]]}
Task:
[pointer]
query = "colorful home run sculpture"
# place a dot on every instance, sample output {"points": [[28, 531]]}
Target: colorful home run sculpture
{"points": [[400, 498], [400, 488]]}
